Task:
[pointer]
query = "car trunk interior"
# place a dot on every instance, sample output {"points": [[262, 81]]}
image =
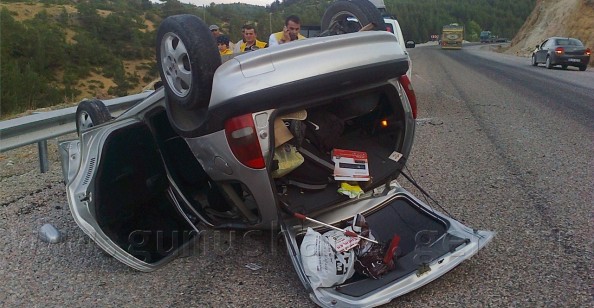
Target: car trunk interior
{"points": [[373, 123], [423, 239]]}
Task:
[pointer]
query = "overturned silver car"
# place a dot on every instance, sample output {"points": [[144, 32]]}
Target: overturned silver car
{"points": [[217, 145]]}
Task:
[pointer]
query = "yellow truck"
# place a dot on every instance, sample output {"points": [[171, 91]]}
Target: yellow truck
{"points": [[452, 36]]}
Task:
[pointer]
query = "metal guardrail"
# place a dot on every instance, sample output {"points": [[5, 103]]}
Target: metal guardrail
{"points": [[39, 127]]}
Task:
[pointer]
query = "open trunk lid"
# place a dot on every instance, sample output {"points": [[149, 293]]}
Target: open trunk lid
{"points": [[431, 244]]}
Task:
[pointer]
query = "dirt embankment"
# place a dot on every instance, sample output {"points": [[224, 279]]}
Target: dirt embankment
{"points": [[571, 18]]}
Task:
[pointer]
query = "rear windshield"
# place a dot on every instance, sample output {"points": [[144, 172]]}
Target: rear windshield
{"points": [[569, 42]]}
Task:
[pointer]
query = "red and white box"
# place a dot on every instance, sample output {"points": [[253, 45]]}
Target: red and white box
{"points": [[350, 165]]}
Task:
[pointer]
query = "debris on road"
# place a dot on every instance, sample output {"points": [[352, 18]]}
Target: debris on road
{"points": [[49, 234], [253, 266]]}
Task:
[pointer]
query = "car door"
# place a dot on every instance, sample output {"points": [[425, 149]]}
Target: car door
{"points": [[430, 244], [121, 194], [541, 53]]}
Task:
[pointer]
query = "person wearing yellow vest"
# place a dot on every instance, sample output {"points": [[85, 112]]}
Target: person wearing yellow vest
{"points": [[290, 32], [251, 42]]}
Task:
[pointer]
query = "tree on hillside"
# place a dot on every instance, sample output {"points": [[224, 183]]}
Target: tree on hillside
{"points": [[172, 7], [473, 31]]}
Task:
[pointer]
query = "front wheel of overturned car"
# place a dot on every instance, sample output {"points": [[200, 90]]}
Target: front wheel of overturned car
{"points": [[90, 113], [347, 16], [187, 57]]}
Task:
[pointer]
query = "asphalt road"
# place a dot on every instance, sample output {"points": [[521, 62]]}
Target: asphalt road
{"points": [[502, 145]]}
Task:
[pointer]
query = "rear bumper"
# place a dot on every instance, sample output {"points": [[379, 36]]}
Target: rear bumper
{"points": [[572, 60], [451, 45]]}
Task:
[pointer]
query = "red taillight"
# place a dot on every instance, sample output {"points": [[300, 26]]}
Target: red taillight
{"points": [[243, 140], [559, 50], [410, 93], [588, 52]]}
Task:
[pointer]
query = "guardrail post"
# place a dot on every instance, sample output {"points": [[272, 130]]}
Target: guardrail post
{"points": [[43, 161]]}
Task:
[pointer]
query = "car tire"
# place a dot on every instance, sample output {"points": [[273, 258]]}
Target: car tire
{"points": [[549, 65], [583, 67], [187, 58], [91, 113], [534, 61], [564, 67], [334, 20]]}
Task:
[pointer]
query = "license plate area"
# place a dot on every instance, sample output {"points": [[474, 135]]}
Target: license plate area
{"points": [[574, 60]]}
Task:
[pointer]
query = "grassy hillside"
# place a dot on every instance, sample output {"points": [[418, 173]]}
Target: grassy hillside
{"points": [[60, 53]]}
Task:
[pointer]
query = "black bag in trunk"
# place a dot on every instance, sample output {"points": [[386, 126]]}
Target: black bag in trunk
{"points": [[323, 130]]}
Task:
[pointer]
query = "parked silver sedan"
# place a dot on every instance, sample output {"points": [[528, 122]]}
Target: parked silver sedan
{"points": [[562, 51]]}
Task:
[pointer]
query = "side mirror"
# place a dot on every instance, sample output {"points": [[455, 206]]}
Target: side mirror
{"points": [[537, 46], [410, 44]]}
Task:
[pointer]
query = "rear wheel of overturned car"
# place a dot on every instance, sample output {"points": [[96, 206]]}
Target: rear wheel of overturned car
{"points": [[347, 16], [90, 113], [187, 57]]}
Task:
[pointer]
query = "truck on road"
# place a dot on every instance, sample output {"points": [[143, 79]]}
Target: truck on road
{"points": [[488, 37], [485, 37], [452, 36]]}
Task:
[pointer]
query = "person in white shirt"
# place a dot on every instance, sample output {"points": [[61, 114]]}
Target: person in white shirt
{"points": [[237, 47], [290, 32]]}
